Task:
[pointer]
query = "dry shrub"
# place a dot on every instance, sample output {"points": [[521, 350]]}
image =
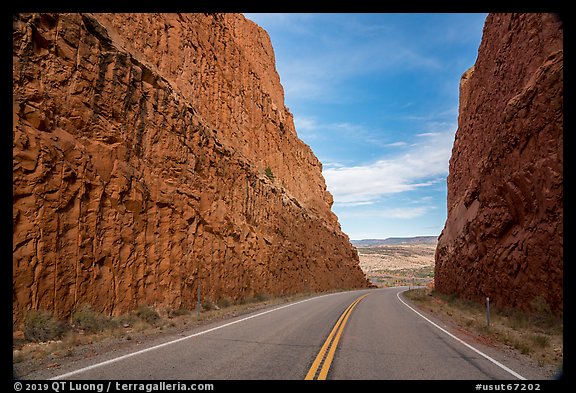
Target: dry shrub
{"points": [[87, 319], [41, 326], [147, 314]]}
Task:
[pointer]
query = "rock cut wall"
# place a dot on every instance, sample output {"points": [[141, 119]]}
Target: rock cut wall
{"points": [[139, 149], [503, 237]]}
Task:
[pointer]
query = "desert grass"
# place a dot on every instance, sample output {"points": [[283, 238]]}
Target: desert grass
{"points": [[537, 334], [396, 257], [47, 337], [398, 265]]}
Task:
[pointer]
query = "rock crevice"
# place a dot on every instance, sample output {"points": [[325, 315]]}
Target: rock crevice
{"points": [[503, 237], [137, 175]]}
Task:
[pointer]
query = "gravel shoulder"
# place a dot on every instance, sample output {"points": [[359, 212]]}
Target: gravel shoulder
{"points": [[29, 359]]}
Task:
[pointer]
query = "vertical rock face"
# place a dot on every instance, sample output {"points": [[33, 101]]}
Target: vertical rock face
{"points": [[503, 237], [140, 149]]}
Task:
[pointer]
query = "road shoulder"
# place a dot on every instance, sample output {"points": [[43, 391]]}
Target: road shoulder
{"points": [[507, 355]]}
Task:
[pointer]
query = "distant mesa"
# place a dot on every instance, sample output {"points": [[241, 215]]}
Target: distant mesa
{"points": [[395, 240]]}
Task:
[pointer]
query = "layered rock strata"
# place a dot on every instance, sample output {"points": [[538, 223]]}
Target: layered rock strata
{"points": [[503, 237], [153, 154]]}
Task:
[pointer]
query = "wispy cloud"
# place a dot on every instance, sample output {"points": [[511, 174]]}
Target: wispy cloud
{"points": [[309, 128], [438, 117], [327, 51], [305, 123], [404, 213], [428, 134], [318, 77], [423, 165], [376, 98], [286, 22], [397, 144]]}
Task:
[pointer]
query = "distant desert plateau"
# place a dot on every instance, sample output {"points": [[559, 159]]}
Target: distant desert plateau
{"points": [[398, 264]]}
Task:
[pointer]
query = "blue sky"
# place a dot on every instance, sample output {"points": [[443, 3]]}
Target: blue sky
{"points": [[376, 98]]}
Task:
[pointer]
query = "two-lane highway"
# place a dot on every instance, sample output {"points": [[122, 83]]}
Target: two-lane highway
{"points": [[274, 344], [388, 340], [376, 336]]}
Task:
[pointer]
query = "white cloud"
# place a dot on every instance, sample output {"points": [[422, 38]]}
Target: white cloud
{"points": [[310, 128], [389, 213], [302, 84], [426, 134], [354, 204], [403, 213], [295, 23], [321, 52], [333, 164], [426, 199], [305, 123], [424, 165], [397, 144], [319, 75]]}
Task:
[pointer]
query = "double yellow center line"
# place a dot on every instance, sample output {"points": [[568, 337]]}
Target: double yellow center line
{"points": [[326, 354]]}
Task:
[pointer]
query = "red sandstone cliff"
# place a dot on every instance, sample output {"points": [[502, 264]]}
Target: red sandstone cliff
{"points": [[503, 237], [140, 144]]}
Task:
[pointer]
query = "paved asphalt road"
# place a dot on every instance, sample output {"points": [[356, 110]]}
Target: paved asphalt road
{"points": [[382, 339]]}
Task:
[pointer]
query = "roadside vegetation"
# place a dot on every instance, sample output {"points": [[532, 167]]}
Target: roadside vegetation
{"points": [[44, 335], [402, 277], [45, 338], [398, 264], [537, 334]]}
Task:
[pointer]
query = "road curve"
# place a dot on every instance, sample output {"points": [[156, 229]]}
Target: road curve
{"points": [[387, 340], [382, 338]]}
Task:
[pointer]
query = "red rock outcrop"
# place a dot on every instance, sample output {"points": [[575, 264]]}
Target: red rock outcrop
{"points": [[140, 149], [503, 237]]}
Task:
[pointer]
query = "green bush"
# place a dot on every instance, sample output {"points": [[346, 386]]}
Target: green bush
{"points": [[418, 294], [542, 315], [207, 305], [40, 326], [260, 297], [268, 173], [126, 320], [540, 306], [223, 302], [147, 314], [91, 321], [540, 340]]}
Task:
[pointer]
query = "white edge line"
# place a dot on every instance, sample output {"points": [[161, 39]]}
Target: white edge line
{"points": [[463, 342], [110, 361]]}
